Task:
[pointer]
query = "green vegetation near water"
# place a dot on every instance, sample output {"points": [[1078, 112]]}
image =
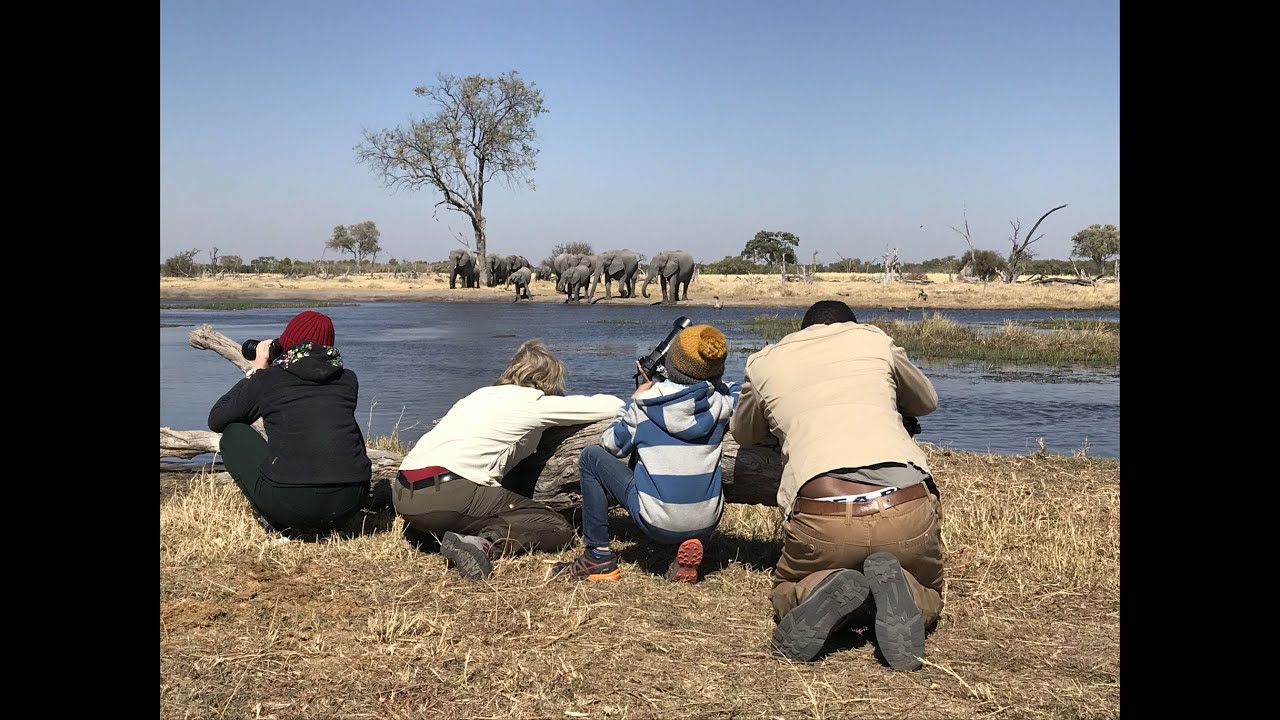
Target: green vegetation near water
{"points": [[1086, 342], [252, 306]]}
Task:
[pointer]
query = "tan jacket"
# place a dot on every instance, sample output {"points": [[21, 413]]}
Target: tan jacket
{"points": [[834, 395], [488, 432]]}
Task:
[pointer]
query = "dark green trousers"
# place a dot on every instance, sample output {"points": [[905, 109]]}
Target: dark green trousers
{"points": [[286, 508]]}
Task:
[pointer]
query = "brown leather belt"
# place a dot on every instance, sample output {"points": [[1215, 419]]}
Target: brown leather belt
{"points": [[869, 507]]}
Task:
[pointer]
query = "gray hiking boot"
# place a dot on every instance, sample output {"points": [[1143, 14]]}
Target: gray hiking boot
{"points": [[802, 633], [899, 624], [468, 553]]}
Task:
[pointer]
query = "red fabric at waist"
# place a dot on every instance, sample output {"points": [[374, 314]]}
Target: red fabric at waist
{"points": [[423, 473]]}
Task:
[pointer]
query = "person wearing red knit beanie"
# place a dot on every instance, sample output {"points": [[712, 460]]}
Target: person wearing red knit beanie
{"points": [[311, 474]]}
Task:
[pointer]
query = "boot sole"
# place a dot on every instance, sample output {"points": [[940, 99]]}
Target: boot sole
{"points": [[899, 624], [469, 560], [688, 560], [802, 633]]}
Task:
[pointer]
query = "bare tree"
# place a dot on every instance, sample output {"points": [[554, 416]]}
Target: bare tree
{"points": [[1020, 251], [966, 272], [968, 238], [890, 260], [213, 261], [482, 129]]}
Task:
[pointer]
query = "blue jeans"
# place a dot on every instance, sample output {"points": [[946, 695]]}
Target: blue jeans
{"points": [[603, 476]]}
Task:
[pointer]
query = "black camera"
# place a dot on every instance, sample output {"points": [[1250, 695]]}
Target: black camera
{"points": [[249, 349], [652, 363], [911, 424]]}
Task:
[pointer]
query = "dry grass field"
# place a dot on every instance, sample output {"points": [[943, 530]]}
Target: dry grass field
{"points": [[367, 626], [859, 290]]}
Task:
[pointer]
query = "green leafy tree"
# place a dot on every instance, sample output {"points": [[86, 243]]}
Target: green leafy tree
{"points": [[231, 263], [263, 264], [342, 241], [775, 246], [365, 235], [182, 264], [985, 264], [1098, 243], [482, 128], [731, 265]]}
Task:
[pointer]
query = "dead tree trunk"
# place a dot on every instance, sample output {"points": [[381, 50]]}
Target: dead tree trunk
{"points": [[550, 475]]}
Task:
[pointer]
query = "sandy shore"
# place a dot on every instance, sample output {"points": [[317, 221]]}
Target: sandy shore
{"points": [[733, 290]]}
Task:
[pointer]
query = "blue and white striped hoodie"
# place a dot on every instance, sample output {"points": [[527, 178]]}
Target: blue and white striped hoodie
{"points": [[677, 430]]}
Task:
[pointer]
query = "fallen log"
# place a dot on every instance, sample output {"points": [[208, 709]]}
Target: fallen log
{"points": [[1064, 281], [550, 475]]}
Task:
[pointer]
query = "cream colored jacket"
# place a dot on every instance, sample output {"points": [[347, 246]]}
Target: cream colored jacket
{"points": [[488, 432], [834, 396]]}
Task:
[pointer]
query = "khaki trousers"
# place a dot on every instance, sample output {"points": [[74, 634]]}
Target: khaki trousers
{"points": [[814, 546]]}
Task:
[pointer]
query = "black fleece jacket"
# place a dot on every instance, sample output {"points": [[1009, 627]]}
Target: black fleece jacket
{"points": [[308, 409]]}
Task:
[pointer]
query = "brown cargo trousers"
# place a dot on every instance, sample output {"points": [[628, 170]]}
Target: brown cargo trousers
{"points": [[814, 546]]}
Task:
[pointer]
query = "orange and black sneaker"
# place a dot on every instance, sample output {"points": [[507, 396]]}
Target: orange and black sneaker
{"points": [[584, 567], [688, 559]]}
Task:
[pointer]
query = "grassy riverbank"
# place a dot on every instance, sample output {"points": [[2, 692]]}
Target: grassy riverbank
{"points": [[1087, 342], [368, 627]]}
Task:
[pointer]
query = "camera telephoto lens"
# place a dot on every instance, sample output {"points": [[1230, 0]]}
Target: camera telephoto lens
{"points": [[249, 349]]}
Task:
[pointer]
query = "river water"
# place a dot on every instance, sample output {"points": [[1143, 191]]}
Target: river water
{"points": [[415, 359]]}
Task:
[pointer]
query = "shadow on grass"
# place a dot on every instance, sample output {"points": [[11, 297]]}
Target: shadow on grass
{"points": [[719, 550]]}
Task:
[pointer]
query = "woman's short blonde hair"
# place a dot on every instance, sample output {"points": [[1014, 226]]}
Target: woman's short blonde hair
{"points": [[534, 366]]}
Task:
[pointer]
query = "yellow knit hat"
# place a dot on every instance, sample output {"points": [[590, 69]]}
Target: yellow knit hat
{"points": [[698, 352]]}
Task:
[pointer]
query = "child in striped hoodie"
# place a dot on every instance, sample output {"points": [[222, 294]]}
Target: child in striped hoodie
{"points": [[675, 427]]}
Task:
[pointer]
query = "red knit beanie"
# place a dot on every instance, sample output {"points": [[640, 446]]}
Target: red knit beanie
{"points": [[308, 325]]}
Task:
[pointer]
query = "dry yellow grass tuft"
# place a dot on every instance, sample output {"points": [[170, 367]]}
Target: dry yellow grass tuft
{"points": [[369, 627]]}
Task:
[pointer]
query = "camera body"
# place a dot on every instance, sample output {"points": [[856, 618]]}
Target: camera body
{"points": [[912, 425], [249, 349], [652, 363]]}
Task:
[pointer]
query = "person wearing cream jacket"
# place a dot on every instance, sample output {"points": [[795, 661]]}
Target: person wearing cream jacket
{"points": [[450, 484]]}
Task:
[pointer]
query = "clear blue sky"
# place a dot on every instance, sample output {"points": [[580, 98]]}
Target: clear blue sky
{"points": [[687, 125]]}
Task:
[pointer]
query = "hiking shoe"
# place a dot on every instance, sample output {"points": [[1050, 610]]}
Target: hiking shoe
{"points": [[899, 624], [802, 633], [468, 553], [584, 567], [685, 567]]}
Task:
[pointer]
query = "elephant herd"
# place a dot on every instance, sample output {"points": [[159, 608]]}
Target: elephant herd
{"points": [[576, 275]]}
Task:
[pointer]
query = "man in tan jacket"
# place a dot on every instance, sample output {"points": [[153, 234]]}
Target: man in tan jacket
{"points": [[861, 509]]}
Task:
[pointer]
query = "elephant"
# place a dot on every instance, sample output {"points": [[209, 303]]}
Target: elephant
{"points": [[521, 278], [613, 265], [576, 280], [515, 262], [499, 269], [544, 271], [563, 262], [674, 267], [462, 264]]}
